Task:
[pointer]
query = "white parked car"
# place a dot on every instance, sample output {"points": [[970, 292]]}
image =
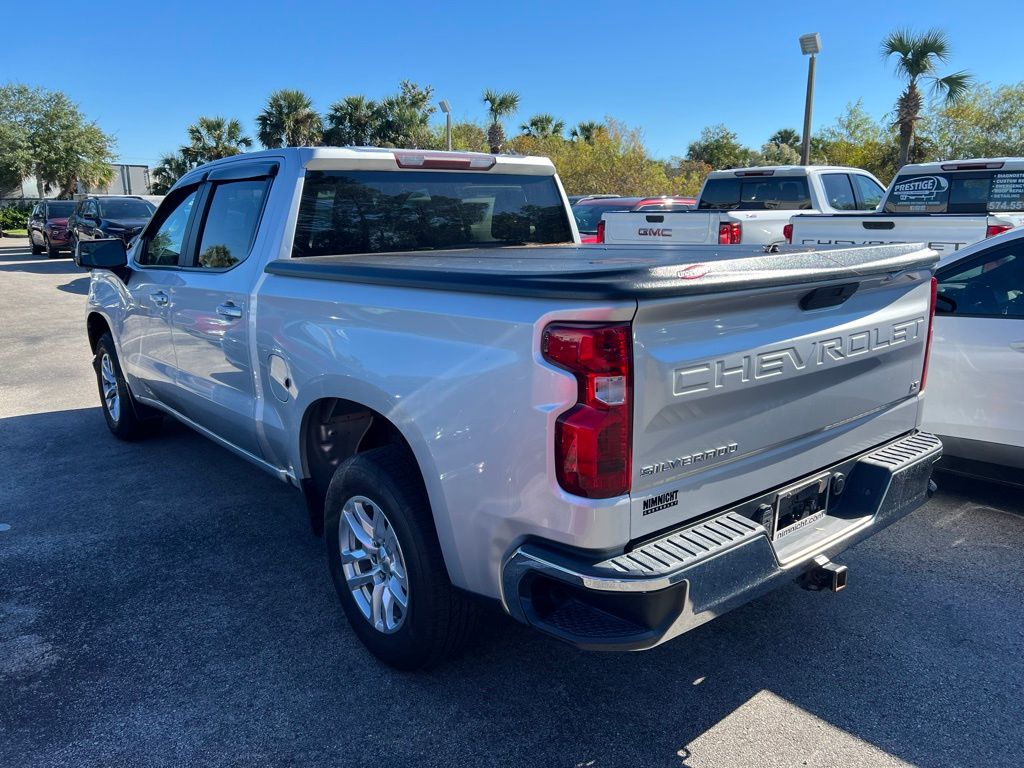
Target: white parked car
{"points": [[976, 379]]}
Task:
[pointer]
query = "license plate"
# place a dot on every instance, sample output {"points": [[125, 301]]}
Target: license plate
{"points": [[801, 505]]}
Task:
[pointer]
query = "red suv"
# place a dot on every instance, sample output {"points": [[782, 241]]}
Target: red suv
{"points": [[589, 210], [48, 227]]}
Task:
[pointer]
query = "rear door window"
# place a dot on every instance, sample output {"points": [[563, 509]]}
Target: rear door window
{"points": [[869, 192], [756, 193], [839, 192], [343, 212], [230, 224]]}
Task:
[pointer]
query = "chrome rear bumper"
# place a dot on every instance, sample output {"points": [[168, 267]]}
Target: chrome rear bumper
{"points": [[665, 587]]}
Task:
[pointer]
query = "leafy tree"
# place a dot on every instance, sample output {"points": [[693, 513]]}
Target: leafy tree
{"points": [[499, 106], [211, 138], [780, 153], [543, 126], [171, 167], [686, 176], [985, 123], [351, 122], [917, 59], [586, 131], [45, 134], [289, 120], [616, 161], [720, 148]]}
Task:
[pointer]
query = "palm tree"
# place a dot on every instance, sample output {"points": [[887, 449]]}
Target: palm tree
{"points": [[918, 57], [289, 120], [171, 167], [786, 136], [351, 122], [499, 105], [211, 138], [543, 126], [586, 131]]}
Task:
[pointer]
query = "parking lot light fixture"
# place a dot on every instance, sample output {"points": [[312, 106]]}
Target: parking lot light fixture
{"points": [[447, 109], [810, 45]]}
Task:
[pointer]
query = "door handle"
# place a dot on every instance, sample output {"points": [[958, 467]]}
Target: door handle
{"points": [[229, 310], [159, 298], [1017, 345]]}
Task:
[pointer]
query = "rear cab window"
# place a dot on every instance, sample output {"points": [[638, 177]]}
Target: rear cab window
{"points": [[347, 212], [756, 193], [957, 192]]}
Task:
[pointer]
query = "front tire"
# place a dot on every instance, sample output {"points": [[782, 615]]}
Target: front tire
{"points": [[51, 252], [386, 562], [126, 418], [37, 250]]}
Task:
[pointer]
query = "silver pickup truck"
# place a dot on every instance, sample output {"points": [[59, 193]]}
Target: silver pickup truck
{"points": [[615, 444]]}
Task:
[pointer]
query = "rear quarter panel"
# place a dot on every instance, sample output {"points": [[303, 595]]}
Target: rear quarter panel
{"points": [[462, 379]]}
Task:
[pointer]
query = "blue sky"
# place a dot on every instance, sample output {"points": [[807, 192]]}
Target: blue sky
{"points": [[144, 71]]}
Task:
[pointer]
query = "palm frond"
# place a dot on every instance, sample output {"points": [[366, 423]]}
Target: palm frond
{"points": [[952, 88]]}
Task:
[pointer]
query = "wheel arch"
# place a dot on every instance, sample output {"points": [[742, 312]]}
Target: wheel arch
{"points": [[96, 325]]}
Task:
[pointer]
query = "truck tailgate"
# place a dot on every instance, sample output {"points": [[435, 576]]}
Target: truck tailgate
{"points": [[940, 232], [739, 392], [653, 228]]}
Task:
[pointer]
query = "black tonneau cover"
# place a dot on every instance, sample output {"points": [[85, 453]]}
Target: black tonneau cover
{"points": [[608, 272]]}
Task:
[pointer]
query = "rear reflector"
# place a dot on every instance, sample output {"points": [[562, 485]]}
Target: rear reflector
{"points": [[787, 232], [593, 439], [928, 341], [729, 233], [997, 229], [445, 162], [971, 166]]}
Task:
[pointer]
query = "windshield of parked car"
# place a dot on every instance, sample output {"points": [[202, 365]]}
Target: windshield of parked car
{"points": [[380, 211], [60, 209], [588, 214], [965, 192], [756, 193], [126, 208]]}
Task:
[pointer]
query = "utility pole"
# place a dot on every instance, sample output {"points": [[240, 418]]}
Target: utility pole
{"points": [[810, 45]]}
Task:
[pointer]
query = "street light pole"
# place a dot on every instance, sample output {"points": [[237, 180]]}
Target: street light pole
{"points": [[447, 109], [809, 45]]}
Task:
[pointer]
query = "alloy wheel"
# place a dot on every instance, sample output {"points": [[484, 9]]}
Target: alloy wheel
{"points": [[373, 564]]}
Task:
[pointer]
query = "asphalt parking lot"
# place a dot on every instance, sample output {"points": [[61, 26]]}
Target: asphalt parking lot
{"points": [[164, 603]]}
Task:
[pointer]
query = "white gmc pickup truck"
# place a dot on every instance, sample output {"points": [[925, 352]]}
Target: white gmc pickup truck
{"points": [[613, 444], [946, 205], [748, 206]]}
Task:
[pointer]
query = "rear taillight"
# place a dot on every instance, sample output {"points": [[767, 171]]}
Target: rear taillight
{"points": [[600, 231], [729, 233], [787, 232], [928, 341], [593, 438], [997, 229], [444, 162]]}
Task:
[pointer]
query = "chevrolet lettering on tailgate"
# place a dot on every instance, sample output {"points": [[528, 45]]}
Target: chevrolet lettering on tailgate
{"points": [[742, 370]]}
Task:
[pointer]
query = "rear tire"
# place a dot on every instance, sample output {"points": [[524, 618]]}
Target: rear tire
{"points": [[378, 515], [126, 418]]}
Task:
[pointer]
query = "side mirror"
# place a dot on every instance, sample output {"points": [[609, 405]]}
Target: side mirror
{"points": [[101, 254]]}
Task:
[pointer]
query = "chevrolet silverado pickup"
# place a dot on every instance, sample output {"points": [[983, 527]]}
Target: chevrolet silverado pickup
{"points": [[748, 206], [615, 444], [945, 205]]}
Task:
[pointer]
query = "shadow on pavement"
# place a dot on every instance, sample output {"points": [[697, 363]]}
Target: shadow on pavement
{"points": [[166, 598]]}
